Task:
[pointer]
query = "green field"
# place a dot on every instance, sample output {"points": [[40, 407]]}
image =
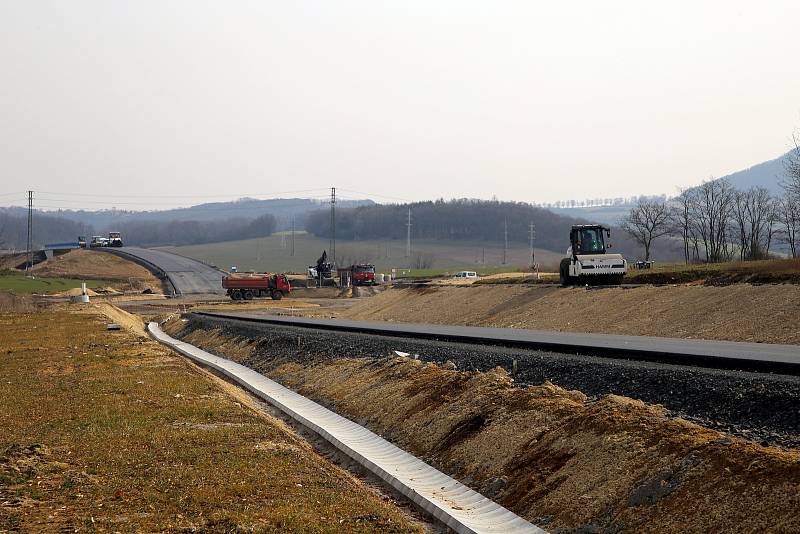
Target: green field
{"points": [[19, 283], [273, 254]]}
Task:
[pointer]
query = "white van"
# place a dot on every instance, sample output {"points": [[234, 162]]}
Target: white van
{"points": [[466, 274]]}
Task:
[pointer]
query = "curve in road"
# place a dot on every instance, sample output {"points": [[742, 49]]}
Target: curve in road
{"points": [[187, 276]]}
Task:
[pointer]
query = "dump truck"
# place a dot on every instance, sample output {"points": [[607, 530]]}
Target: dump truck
{"points": [[247, 286], [588, 261], [363, 274]]}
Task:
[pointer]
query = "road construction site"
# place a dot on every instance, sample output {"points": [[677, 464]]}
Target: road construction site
{"points": [[570, 438]]}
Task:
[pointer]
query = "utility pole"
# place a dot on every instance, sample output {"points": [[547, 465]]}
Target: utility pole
{"points": [[333, 224], [532, 236], [29, 263], [408, 234], [505, 240], [292, 254]]}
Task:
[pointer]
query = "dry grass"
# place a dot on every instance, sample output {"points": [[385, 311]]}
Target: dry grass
{"points": [[549, 454], [9, 302], [110, 432], [738, 312], [762, 272], [88, 264]]}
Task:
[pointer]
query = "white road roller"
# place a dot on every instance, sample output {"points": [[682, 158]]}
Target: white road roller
{"points": [[587, 260]]}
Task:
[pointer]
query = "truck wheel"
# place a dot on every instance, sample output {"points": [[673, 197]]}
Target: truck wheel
{"points": [[563, 273], [248, 295], [277, 295], [236, 295]]}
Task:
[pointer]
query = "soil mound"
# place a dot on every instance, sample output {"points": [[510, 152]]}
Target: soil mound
{"points": [[739, 312], [94, 265]]}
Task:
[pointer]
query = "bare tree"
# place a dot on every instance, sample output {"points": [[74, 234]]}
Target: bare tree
{"points": [[682, 223], [792, 163], [647, 221], [788, 217], [753, 221], [713, 209]]}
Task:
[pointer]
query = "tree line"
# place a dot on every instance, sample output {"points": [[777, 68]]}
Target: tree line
{"points": [[718, 222], [52, 229], [457, 220]]}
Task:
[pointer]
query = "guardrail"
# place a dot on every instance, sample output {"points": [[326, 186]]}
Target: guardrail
{"points": [[153, 268]]}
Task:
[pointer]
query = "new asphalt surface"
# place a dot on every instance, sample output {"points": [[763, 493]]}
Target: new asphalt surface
{"points": [[187, 276]]}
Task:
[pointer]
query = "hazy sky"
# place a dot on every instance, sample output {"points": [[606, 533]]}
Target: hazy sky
{"points": [[532, 101]]}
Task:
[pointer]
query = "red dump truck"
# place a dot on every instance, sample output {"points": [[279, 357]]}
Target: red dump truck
{"points": [[247, 286], [363, 274]]}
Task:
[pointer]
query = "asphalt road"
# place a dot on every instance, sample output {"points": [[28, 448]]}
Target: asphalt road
{"points": [[187, 276], [761, 406], [719, 354]]}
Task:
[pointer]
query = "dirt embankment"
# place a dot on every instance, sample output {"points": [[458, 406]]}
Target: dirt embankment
{"points": [[551, 455], [740, 312], [94, 265], [111, 432]]}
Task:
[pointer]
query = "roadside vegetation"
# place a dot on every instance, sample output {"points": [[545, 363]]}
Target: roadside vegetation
{"points": [[21, 283], [108, 431]]}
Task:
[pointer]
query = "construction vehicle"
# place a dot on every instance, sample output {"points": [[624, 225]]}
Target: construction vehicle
{"points": [[588, 261], [98, 241], [114, 239], [363, 274], [247, 286], [324, 272]]}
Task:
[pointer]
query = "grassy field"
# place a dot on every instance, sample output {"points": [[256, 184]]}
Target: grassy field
{"points": [[19, 283], [274, 254], [110, 432]]}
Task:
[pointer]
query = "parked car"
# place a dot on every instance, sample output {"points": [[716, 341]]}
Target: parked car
{"points": [[466, 274]]}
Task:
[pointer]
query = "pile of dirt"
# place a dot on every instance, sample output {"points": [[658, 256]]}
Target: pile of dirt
{"points": [[740, 312], [74, 292], [93, 265], [553, 456]]}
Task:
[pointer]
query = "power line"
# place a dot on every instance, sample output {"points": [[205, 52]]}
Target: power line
{"points": [[29, 263], [333, 224], [408, 235], [505, 240], [77, 194]]}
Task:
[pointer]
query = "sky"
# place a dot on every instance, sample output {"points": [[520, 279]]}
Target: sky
{"points": [[162, 103]]}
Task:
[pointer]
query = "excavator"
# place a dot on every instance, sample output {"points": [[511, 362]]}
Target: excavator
{"points": [[588, 261]]}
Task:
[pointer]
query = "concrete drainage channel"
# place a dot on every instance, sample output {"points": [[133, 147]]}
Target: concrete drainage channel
{"points": [[448, 501]]}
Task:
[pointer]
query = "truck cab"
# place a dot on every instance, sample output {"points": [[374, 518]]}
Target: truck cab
{"points": [[363, 274], [588, 260]]}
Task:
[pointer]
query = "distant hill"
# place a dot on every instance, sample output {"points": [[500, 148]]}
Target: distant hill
{"points": [[245, 208], [768, 174], [467, 220]]}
